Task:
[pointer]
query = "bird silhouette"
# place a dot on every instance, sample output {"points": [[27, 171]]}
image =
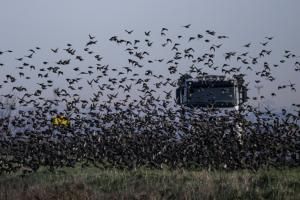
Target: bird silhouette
{"points": [[187, 26], [129, 32], [54, 50]]}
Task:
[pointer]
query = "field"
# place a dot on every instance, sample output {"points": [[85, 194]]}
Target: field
{"points": [[95, 183], [179, 113]]}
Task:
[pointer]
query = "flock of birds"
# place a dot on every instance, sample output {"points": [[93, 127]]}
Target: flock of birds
{"points": [[131, 118]]}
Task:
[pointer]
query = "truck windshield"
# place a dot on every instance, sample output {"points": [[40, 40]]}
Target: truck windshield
{"points": [[219, 96]]}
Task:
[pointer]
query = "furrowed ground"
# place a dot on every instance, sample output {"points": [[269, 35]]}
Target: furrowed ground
{"points": [[95, 183]]}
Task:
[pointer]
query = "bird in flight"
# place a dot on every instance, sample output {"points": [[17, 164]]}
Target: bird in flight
{"points": [[54, 50], [269, 38], [187, 26], [129, 32], [91, 37], [147, 33], [247, 45]]}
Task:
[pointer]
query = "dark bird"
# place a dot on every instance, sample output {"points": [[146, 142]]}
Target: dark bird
{"points": [[210, 32], [223, 37], [199, 36], [91, 37], [269, 38], [187, 26], [79, 58], [247, 45], [164, 29], [129, 32], [162, 32], [264, 43], [54, 50], [191, 38], [147, 33], [91, 43]]}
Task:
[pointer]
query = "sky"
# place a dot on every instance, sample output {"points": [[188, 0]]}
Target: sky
{"points": [[53, 24]]}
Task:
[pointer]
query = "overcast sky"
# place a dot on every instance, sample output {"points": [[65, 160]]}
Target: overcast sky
{"points": [[51, 24], [42, 22]]}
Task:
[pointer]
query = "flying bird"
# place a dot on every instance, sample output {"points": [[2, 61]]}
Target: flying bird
{"points": [[187, 26]]}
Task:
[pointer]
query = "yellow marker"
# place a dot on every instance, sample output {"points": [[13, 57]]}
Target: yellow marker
{"points": [[60, 121]]}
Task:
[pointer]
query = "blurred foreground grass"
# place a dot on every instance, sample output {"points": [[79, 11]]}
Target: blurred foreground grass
{"points": [[94, 183]]}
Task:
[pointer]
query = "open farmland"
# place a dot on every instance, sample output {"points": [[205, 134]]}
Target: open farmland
{"points": [[154, 105], [94, 183]]}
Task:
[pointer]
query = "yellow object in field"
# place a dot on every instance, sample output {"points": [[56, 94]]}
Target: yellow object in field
{"points": [[60, 121]]}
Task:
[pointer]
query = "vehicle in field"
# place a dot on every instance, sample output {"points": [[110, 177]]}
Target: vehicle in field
{"points": [[211, 91]]}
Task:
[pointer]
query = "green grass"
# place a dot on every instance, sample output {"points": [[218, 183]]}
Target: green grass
{"points": [[94, 183]]}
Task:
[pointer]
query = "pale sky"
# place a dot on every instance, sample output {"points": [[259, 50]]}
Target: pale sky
{"points": [[53, 24]]}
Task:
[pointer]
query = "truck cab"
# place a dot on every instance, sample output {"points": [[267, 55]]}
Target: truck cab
{"points": [[211, 91]]}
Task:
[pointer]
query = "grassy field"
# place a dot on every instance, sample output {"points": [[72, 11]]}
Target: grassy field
{"points": [[94, 183]]}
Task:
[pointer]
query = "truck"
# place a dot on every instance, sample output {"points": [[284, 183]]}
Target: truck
{"points": [[215, 91]]}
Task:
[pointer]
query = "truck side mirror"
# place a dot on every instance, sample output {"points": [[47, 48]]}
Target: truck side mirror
{"points": [[178, 90], [244, 94]]}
